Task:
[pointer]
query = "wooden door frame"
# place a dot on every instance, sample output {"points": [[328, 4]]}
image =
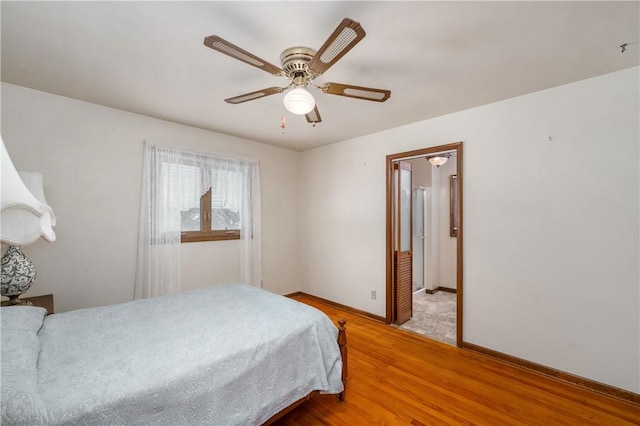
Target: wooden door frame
{"points": [[390, 296]]}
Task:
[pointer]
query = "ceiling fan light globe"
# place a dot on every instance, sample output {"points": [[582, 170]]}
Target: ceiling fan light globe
{"points": [[299, 101]]}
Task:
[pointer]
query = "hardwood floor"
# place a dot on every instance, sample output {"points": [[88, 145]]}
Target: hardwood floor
{"points": [[398, 377]]}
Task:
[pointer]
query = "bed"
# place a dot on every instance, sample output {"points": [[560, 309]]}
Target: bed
{"points": [[228, 354]]}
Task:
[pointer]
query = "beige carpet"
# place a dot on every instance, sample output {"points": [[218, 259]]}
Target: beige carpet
{"points": [[434, 316]]}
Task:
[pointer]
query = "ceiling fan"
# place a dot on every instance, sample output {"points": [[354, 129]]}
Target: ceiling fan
{"points": [[301, 65]]}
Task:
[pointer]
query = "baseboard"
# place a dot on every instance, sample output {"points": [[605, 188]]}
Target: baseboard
{"points": [[437, 289], [346, 308], [557, 374]]}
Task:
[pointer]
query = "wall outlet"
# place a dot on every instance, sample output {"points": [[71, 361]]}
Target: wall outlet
{"points": [[373, 294]]}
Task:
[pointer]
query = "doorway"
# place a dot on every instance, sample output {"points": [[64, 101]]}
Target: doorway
{"points": [[410, 240]]}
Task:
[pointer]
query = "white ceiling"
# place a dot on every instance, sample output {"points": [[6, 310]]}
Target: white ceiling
{"points": [[435, 57]]}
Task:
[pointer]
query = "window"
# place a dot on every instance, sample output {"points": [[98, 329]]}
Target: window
{"points": [[213, 220], [208, 192], [189, 196]]}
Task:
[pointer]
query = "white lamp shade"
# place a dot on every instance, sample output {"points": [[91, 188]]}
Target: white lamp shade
{"points": [[24, 214], [438, 161], [299, 101]]}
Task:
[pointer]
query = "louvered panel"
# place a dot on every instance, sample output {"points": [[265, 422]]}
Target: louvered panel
{"points": [[404, 276]]}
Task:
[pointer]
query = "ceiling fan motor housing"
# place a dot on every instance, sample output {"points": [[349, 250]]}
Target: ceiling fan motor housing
{"points": [[294, 63]]}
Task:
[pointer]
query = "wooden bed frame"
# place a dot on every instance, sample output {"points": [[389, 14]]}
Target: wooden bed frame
{"points": [[342, 344]]}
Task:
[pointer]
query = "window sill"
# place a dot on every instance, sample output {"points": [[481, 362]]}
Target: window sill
{"points": [[199, 236]]}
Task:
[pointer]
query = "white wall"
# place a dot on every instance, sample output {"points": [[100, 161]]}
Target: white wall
{"points": [[91, 159], [551, 227]]}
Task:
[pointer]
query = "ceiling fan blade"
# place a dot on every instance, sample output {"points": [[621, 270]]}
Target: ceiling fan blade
{"points": [[254, 95], [314, 116], [223, 46], [346, 35], [359, 92]]}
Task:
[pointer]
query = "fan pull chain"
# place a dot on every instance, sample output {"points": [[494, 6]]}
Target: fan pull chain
{"points": [[283, 124]]}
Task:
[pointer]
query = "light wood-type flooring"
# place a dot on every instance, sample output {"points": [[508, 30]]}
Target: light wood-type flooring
{"points": [[399, 378]]}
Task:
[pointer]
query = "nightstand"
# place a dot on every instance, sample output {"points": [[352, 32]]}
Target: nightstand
{"points": [[45, 301]]}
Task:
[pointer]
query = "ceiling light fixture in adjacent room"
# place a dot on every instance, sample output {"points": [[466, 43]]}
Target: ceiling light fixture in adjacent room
{"points": [[438, 160]]}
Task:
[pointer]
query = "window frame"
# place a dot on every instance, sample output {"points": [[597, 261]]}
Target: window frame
{"points": [[206, 233]]}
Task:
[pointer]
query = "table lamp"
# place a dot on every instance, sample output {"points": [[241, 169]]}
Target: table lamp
{"points": [[24, 218]]}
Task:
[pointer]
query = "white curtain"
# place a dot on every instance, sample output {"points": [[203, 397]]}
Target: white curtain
{"points": [[173, 181]]}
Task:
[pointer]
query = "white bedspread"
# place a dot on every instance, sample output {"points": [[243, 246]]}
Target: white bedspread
{"points": [[223, 355]]}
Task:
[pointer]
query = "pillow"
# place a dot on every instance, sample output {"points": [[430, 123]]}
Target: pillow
{"points": [[21, 402]]}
